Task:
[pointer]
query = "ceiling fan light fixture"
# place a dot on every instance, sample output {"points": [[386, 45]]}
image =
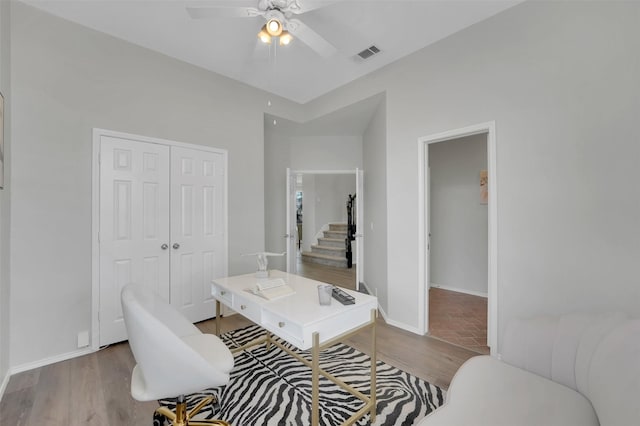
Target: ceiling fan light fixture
{"points": [[285, 38], [274, 27], [264, 36]]}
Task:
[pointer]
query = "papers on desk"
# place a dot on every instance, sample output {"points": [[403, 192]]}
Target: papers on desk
{"points": [[273, 289]]}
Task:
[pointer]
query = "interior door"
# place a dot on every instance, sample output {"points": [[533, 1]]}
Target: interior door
{"points": [[134, 226], [291, 236], [359, 227], [198, 242]]}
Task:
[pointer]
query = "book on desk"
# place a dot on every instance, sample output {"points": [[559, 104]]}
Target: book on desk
{"points": [[272, 289]]}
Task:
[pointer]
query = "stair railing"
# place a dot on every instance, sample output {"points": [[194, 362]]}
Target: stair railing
{"points": [[351, 229]]}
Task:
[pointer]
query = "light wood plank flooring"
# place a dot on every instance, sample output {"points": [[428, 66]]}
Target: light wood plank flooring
{"points": [[343, 277], [94, 389]]}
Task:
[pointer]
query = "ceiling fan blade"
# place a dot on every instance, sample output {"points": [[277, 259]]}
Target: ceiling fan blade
{"points": [[311, 38], [222, 12], [304, 6]]}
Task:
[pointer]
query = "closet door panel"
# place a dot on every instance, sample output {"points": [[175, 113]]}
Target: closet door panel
{"points": [[134, 224], [197, 229]]}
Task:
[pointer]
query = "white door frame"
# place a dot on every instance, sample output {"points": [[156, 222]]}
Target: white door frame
{"points": [[358, 175], [359, 228], [488, 128], [291, 226], [95, 213]]}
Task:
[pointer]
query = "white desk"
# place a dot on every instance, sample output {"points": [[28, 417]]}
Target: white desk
{"points": [[300, 320]]}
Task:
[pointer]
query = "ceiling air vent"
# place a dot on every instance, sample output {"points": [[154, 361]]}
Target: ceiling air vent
{"points": [[368, 52]]}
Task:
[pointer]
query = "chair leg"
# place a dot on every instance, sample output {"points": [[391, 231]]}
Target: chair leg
{"points": [[181, 412], [164, 411], [195, 410], [183, 418]]}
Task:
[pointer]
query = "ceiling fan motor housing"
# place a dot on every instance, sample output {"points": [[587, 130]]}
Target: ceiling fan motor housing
{"points": [[287, 7]]}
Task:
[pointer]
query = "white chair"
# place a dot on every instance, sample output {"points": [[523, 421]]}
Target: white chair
{"points": [[569, 370], [173, 357]]}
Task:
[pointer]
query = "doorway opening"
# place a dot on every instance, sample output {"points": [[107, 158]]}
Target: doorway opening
{"points": [[458, 232], [458, 241], [320, 245]]}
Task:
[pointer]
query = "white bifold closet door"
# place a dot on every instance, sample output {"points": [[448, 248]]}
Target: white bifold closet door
{"points": [[197, 230], [162, 224]]}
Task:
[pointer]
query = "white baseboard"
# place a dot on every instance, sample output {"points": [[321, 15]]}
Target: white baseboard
{"points": [[383, 313], [459, 290], [390, 321], [404, 326], [51, 360], [3, 385]]}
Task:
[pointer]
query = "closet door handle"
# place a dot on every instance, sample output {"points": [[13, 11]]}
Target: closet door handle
{"points": [[176, 246], [164, 246]]}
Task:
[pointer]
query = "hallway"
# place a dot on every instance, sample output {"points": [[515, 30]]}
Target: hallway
{"points": [[458, 318]]}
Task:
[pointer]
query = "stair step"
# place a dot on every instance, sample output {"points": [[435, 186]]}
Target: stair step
{"points": [[336, 234], [330, 250], [332, 242], [323, 259], [338, 227]]}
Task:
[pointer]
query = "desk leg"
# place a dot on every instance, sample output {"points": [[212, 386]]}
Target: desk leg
{"points": [[267, 343], [217, 318], [374, 368], [315, 380]]}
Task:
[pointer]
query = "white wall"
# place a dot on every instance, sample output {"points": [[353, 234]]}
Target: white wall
{"points": [[318, 152], [5, 198], [287, 146], [459, 222], [67, 80], [374, 227], [332, 193], [560, 81]]}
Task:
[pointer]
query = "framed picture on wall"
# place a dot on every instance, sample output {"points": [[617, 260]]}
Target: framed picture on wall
{"points": [[1, 141], [484, 187]]}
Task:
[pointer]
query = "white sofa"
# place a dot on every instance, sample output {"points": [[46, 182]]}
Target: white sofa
{"points": [[570, 370]]}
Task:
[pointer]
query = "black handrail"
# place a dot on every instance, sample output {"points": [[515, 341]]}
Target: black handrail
{"points": [[351, 229]]}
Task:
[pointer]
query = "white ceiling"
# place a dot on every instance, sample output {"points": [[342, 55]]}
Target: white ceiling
{"points": [[229, 46]]}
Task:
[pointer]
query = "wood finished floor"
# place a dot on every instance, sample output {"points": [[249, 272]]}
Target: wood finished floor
{"points": [[343, 277], [94, 389]]}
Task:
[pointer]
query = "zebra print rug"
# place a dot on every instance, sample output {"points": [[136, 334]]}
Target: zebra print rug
{"points": [[273, 388]]}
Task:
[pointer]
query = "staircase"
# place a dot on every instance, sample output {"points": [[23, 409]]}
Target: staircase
{"points": [[330, 249]]}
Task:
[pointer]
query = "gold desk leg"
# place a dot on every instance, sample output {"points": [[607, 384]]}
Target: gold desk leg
{"points": [[315, 380], [374, 367], [217, 318], [267, 342]]}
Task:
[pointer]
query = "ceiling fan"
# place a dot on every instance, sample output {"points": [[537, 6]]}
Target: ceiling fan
{"points": [[279, 16]]}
